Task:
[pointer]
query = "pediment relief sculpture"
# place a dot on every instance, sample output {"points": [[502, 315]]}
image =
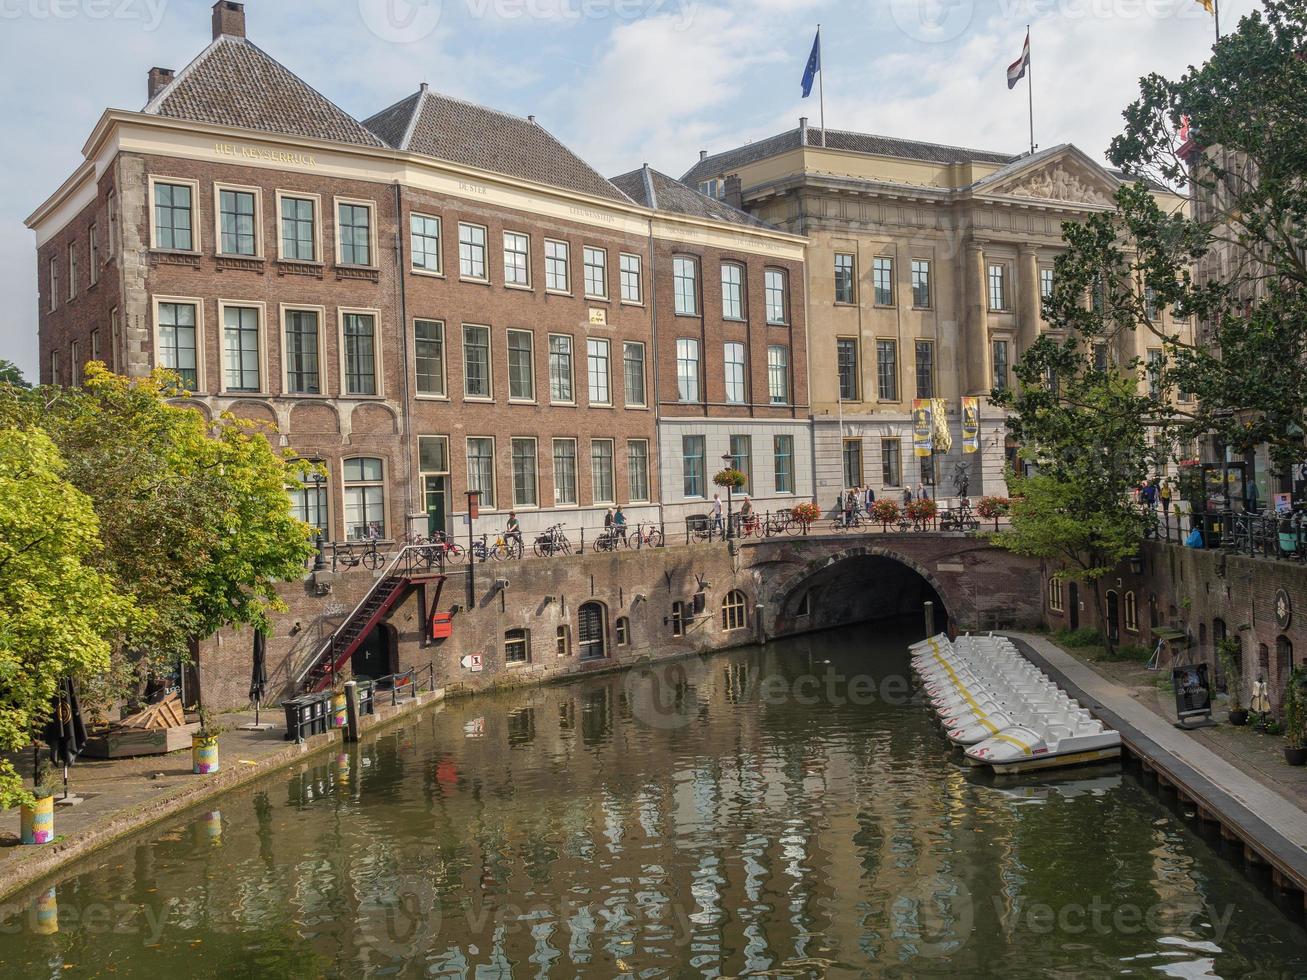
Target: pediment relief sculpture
{"points": [[1059, 184]]}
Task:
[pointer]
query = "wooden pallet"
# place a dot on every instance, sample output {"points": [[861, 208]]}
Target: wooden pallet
{"points": [[166, 714]]}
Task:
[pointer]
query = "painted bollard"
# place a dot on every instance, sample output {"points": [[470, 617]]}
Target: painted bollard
{"points": [[37, 821], [342, 770], [204, 754], [338, 709], [45, 914], [210, 826]]}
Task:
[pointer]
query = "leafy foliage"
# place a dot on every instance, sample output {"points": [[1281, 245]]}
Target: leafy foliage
{"points": [[730, 478], [885, 511], [807, 512], [12, 374]]}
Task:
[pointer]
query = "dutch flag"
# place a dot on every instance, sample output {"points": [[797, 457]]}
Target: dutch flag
{"points": [[1017, 70]]}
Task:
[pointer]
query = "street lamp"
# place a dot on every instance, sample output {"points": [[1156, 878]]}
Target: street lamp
{"points": [[319, 559], [729, 462]]}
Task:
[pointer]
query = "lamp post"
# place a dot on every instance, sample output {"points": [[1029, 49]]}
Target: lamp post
{"points": [[319, 559], [729, 460], [473, 512]]}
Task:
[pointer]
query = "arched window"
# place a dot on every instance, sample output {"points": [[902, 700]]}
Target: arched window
{"points": [[365, 498], [517, 646], [1055, 594], [1263, 661], [734, 612], [308, 498], [1283, 657], [592, 631], [563, 641], [1131, 613], [623, 628]]}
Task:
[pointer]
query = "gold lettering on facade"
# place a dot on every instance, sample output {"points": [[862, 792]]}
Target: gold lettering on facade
{"points": [[267, 155], [480, 189]]}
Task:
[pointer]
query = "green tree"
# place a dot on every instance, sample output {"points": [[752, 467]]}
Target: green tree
{"points": [[12, 374], [59, 616]]}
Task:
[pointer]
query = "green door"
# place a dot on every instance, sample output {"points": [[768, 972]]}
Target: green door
{"points": [[436, 491]]}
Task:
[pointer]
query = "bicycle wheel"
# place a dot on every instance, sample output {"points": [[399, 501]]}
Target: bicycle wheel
{"points": [[563, 546], [793, 527], [373, 559], [654, 539], [454, 554]]}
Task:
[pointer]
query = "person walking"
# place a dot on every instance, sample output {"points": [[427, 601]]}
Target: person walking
{"points": [[868, 500], [848, 508], [619, 522], [907, 496], [1149, 495], [717, 525]]}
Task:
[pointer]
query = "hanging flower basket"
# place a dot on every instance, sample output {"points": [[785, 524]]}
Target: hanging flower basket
{"points": [[733, 479]]}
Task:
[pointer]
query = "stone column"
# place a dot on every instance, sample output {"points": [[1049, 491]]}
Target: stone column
{"points": [[1030, 306], [975, 325]]}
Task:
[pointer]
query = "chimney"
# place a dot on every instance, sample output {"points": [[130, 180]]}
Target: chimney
{"points": [[159, 79], [734, 192], [228, 19], [703, 155], [803, 130], [531, 119]]}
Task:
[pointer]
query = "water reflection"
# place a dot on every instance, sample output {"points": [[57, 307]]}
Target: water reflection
{"points": [[789, 811]]}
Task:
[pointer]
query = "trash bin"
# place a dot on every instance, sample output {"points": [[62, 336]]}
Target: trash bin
{"points": [[308, 714]]}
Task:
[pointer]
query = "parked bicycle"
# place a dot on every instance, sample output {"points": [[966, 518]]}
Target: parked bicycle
{"points": [[552, 542], [647, 536], [610, 539], [960, 518], [351, 554]]}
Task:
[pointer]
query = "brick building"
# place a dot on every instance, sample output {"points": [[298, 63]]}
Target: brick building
{"points": [[437, 299]]}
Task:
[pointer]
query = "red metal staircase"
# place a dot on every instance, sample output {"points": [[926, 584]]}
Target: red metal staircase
{"points": [[415, 566]]}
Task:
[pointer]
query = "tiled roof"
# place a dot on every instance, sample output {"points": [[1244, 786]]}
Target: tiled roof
{"points": [[461, 132], [837, 139], [662, 193], [234, 83]]}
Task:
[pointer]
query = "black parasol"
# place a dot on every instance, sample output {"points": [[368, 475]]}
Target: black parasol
{"points": [[259, 671], [65, 732]]}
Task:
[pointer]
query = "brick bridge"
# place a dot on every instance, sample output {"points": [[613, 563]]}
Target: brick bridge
{"points": [[651, 605]]}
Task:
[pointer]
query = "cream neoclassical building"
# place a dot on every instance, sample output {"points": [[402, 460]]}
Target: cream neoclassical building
{"points": [[926, 268]]}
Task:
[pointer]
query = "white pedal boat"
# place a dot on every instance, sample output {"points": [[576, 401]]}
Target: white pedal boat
{"points": [[1028, 748]]}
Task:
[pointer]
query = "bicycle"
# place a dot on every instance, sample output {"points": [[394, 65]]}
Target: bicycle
{"points": [[552, 542], [841, 524], [703, 531], [349, 555], [961, 519], [648, 536], [749, 526], [610, 540]]}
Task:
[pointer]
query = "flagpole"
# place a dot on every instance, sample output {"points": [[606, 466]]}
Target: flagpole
{"points": [[1216, 12], [1030, 90], [821, 85]]}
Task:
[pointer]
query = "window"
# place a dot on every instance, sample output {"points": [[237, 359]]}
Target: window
{"points": [[778, 375], [732, 291], [678, 619], [1045, 284], [517, 259], [685, 285], [365, 499], [93, 245], [355, 231], [1150, 304], [882, 280], [524, 473], [299, 235], [637, 470], [925, 369], [521, 366], [774, 288], [687, 369], [173, 214], [240, 332], [591, 631], [846, 357], [1131, 613], [433, 455], [715, 188], [596, 355], [845, 276], [601, 471], [95, 345], [596, 272], [471, 251], [111, 206], [72, 270], [360, 331], [1055, 594], [734, 362], [237, 222], [54, 284], [54, 367], [852, 462], [890, 463], [1000, 364], [303, 373], [783, 463], [997, 287], [921, 298], [557, 276], [633, 373], [742, 459], [623, 630], [632, 287], [308, 502], [887, 370], [1100, 358], [115, 331], [481, 469], [177, 342], [424, 234], [692, 452], [1156, 365], [565, 471], [429, 357], [1098, 295], [563, 641], [517, 646], [75, 364], [560, 368], [733, 611], [476, 361]]}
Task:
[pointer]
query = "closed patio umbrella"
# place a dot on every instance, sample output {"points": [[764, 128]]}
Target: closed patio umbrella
{"points": [[259, 672], [65, 732]]}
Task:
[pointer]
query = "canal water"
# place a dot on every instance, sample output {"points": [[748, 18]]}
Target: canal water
{"points": [[789, 811]]}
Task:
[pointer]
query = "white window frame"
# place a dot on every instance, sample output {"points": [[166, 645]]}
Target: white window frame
{"points": [[608, 372], [321, 311], [485, 252], [197, 244], [511, 283], [373, 255], [385, 502], [644, 374], [612, 475], [639, 278], [512, 470], [1006, 297], [508, 363], [877, 263], [930, 282], [494, 474], [789, 378], [698, 371], [571, 360], [567, 267], [218, 188], [198, 303], [739, 286], [586, 265], [378, 353], [281, 196], [632, 496], [490, 361], [72, 270], [262, 335], [694, 265], [784, 319], [553, 462], [418, 270], [444, 360], [743, 364]]}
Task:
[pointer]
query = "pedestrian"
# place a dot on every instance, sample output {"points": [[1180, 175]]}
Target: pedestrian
{"points": [[869, 500], [717, 513], [513, 532], [1164, 495], [608, 520], [1251, 503], [907, 496], [1149, 495], [619, 522], [848, 508]]}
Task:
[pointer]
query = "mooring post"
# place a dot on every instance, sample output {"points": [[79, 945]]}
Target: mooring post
{"points": [[351, 711], [930, 618]]}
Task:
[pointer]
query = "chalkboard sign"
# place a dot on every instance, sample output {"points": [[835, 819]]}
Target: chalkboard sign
{"points": [[1193, 691]]}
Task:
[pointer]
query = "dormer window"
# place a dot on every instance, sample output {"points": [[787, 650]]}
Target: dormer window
{"points": [[715, 188]]}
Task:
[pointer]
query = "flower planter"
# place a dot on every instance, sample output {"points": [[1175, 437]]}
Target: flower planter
{"points": [[1295, 757], [37, 821], [1239, 718], [204, 754]]}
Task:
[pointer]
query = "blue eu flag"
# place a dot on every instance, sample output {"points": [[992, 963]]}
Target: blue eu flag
{"points": [[814, 66]]}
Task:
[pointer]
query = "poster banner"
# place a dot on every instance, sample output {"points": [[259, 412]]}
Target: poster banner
{"points": [[923, 427], [943, 443], [971, 425]]}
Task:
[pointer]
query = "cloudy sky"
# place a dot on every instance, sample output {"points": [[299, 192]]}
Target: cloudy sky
{"points": [[622, 81]]}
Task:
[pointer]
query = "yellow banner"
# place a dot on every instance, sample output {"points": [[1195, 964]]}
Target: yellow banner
{"points": [[971, 425], [923, 427]]}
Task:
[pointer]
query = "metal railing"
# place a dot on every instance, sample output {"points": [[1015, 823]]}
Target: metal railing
{"points": [[703, 528], [1279, 537]]}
